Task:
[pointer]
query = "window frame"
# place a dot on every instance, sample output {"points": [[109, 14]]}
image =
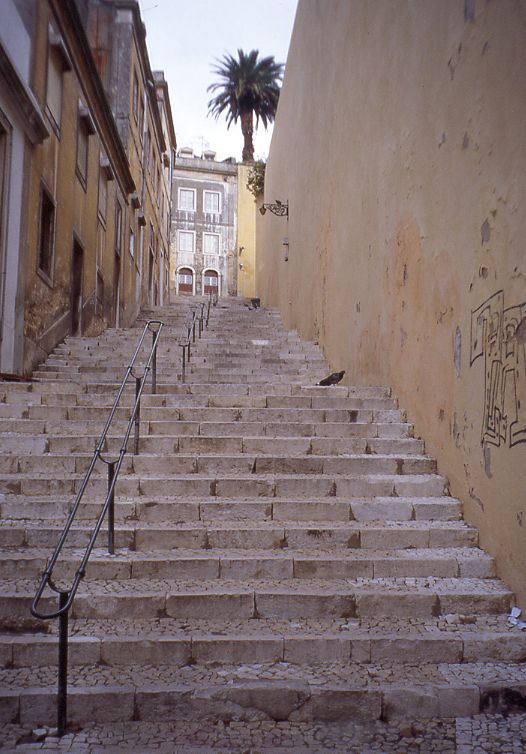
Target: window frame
{"points": [[190, 233], [189, 190], [209, 192], [212, 235], [57, 55], [47, 274]]}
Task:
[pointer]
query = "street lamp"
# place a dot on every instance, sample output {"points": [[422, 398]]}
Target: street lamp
{"points": [[278, 208]]}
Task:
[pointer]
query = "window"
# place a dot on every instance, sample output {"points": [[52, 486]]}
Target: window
{"points": [[211, 243], [54, 88], [158, 186], [146, 153], [141, 117], [211, 201], [185, 280], [186, 240], [135, 101], [187, 199], [101, 241], [82, 151], [46, 234], [58, 62], [118, 229], [103, 195], [132, 243]]}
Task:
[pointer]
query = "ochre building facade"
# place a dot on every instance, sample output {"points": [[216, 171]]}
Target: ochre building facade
{"points": [[400, 145], [75, 195]]}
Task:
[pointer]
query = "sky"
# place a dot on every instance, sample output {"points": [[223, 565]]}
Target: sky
{"points": [[185, 37]]}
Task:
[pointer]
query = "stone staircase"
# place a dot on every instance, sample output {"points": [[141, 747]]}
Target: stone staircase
{"points": [[284, 551]]}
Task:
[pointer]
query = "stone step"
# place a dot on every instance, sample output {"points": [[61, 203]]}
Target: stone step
{"points": [[218, 485], [264, 691], [169, 641], [22, 507], [422, 598], [242, 462], [214, 412], [342, 535], [166, 444], [236, 564]]}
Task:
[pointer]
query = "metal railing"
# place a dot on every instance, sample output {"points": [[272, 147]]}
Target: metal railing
{"points": [[66, 596], [198, 319]]}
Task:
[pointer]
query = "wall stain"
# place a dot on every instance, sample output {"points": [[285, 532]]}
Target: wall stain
{"points": [[485, 231], [499, 335], [476, 499], [457, 350]]}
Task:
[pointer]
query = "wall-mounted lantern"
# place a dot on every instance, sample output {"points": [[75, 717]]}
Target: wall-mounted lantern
{"points": [[277, 208]]}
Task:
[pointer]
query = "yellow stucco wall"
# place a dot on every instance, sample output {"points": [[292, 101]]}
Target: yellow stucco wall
{"points": [[400, 144], [246, 235]]}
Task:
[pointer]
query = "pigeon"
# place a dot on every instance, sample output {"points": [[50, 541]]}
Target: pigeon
{"points": [[332, 379]]}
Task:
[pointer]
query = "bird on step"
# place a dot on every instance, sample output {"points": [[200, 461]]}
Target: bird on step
{"points": [[332, 379]]}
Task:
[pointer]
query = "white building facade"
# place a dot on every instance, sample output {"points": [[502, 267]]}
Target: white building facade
{"points": [[204, 225]]}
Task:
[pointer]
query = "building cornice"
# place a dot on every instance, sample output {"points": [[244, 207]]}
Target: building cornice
{"points": [[23, 99]]}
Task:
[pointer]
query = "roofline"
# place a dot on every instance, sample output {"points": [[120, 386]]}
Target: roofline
{"points": [[140, 32], [163, 84]]}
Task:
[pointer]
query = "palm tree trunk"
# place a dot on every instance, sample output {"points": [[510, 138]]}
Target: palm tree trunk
{"points": [[247, 129]]}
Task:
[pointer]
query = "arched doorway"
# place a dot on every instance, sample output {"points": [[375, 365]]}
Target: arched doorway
{"points": [[210, 282], [185, 280]]}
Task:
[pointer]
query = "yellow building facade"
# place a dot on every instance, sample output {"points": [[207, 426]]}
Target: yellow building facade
{"points": [[404, 172]]}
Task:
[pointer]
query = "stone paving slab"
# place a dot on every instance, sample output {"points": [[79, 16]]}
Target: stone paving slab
{"points": [[482, 734]]}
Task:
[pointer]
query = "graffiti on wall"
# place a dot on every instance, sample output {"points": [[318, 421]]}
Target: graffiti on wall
{"points": [[498, 335]]}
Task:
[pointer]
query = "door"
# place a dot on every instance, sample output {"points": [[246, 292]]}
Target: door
{"points": [[77, 276]]}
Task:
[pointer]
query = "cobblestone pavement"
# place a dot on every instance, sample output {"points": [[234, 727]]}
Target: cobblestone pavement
{"points": [[483, 734]]}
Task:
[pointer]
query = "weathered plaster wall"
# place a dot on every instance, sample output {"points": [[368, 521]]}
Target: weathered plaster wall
{"points": [[246, 235], [401, 147]]}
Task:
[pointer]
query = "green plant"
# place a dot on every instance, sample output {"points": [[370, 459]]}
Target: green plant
{"points": [[256, 178], [248, 87]]}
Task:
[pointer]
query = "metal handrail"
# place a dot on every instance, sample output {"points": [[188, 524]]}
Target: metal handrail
{"points": [[197, 317], [66, 596]]}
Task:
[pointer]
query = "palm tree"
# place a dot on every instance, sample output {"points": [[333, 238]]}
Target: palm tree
{"points": [[248, 87]]}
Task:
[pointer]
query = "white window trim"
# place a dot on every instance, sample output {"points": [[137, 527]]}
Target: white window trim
{"points": [[219, 279], [208, 191], [186, 251], [185, 267], [218, 236], [194, 192]]}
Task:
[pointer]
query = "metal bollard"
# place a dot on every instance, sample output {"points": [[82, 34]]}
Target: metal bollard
{"points": [[154, 366], [62, 692], [111, 509], [137, 422]]}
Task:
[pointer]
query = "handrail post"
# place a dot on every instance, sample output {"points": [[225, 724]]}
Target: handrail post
{"points": [[193, 329], [62, 695], [154, 364], [111, 509], [137, 421], [184, 364]]}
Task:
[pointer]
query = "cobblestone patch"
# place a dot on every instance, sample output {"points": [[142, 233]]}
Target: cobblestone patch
{"points": [[360, 676], [482, 734]]}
